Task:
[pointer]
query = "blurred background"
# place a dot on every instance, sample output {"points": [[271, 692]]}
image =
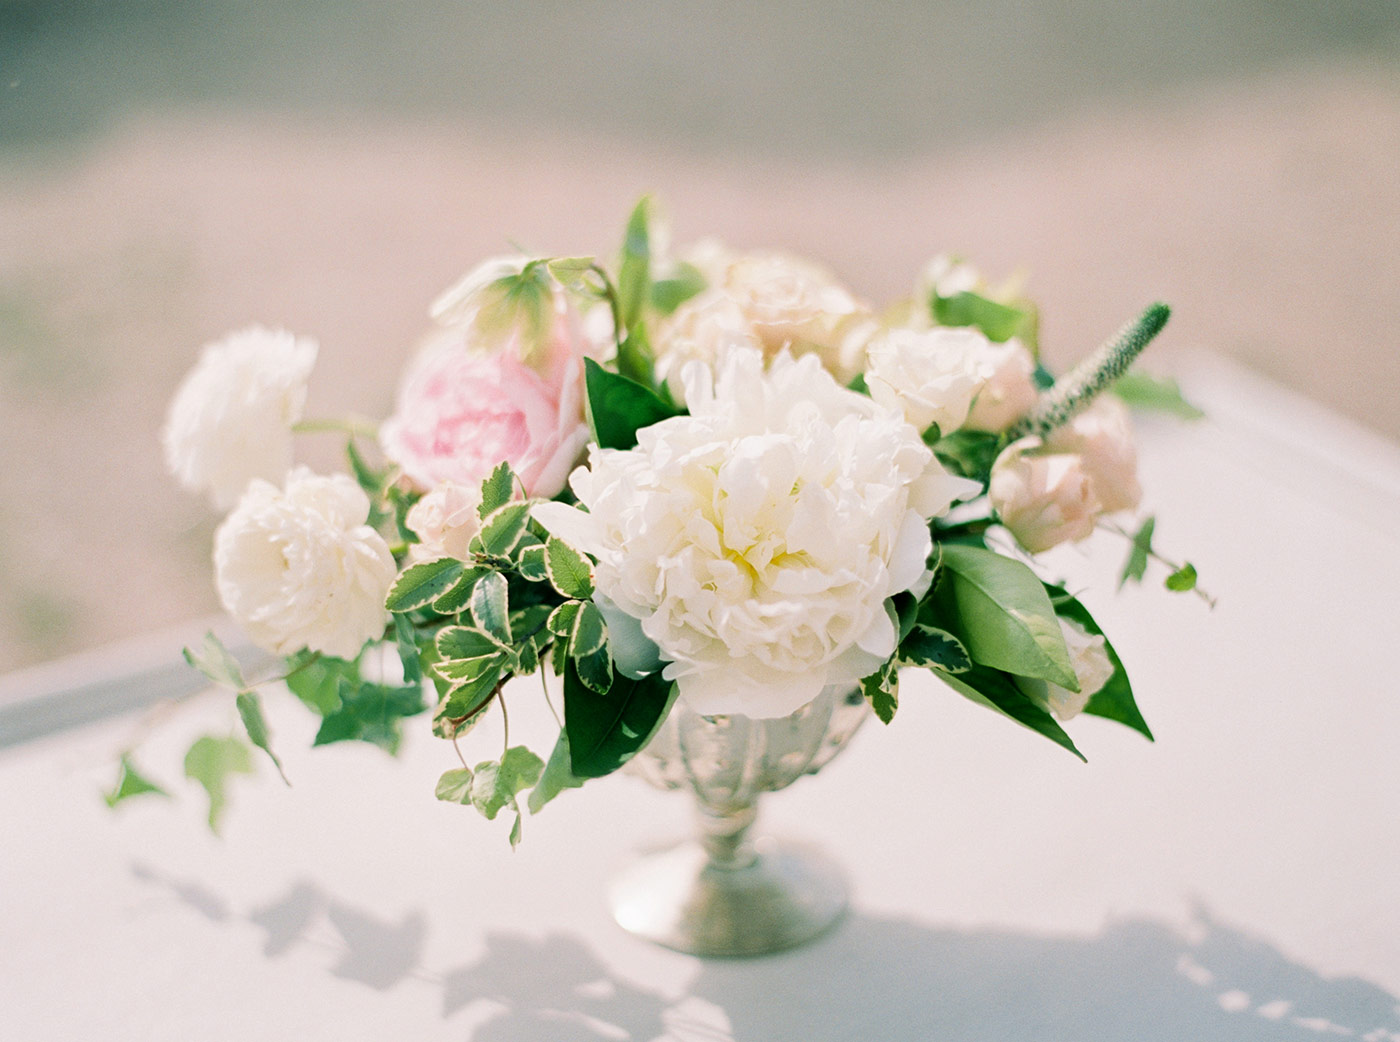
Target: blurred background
{"points": [[172, 170]]}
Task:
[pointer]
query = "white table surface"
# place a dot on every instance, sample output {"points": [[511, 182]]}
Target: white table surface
{"points": [[1239, 879]]}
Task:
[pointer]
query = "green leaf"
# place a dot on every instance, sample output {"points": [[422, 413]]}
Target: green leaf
{"points": [[557, 776], [998, 322], [530, 564], [455, 786], [210, 761], [130, 782], [1183, 579], [216, 662], [1000, 611], [1155, 393], [561, 620], [634, 273], [459, 594], [515, 830], [619, 407], [998, 691], [465, 642], [420, 584], [490, 608], [406, 643], [528, 621], [497, 783], [250, 712], [464, 706], [595, 670], [496, 490], [1113, 701], [569, 571], [371, 713], [460, 671], [590, 632], [317, 682], [526, 659], [501, 530], [684, 282], [1136, 565], [881, 690], [968, 453], [605, 731], [935, 648], [906, 611]]}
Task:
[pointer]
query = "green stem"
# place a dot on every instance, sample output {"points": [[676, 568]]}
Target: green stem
{"points": [[355, 426]]}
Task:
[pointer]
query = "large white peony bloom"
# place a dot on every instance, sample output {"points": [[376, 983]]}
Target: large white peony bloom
{"points": [[299, 568], [231, 419], [757, 540]]}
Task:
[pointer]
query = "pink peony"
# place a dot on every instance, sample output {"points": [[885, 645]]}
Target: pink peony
{"points": [[461, 412]]}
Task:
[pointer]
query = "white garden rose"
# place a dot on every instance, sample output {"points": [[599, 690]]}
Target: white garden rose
{"points": [[1092, 668], [930, 375], [1102, 436], [757, 540], [1043, 499], [299, 568], [231, 418], [706, 328], [444, 521], [1009, 393]]}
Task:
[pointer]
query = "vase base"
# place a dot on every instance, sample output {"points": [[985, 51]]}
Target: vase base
{"points": [[788, 895]]}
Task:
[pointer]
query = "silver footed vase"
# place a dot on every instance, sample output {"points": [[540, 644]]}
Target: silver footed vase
{"points": [[725, 893]]}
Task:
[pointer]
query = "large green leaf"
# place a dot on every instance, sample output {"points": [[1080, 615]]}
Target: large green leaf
{"points": [[607, 730], [619, 407], [210, 761], [998, 691], [998, 322], [558, 775], [1113, 701], [1000, 611]]}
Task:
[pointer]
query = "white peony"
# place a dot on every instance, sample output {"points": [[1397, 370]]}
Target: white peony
{"points": [[444, 521], [931, 376], [299, 568], [232, 416], [1092, 668], [1010, 391], [757, 540]]}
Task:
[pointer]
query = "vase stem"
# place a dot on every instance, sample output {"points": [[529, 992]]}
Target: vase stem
{"points": [[724, 833]]}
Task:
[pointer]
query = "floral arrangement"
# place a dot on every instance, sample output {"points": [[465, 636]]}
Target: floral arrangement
{"points": [[719, 478]]}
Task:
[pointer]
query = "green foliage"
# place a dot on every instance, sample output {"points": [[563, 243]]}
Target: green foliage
{"points": [[619, 407], [998, 322], [634, 272], [606, 730], [684, 282], [421, 584], [1156, 393], [998, 609], [216, 662], [210, 762], [569, 571], [531, 564], [455, 786], [1183, 579], [558, 775], [1136, 565], [497, 490], [934, 648], [1113, 701], [131, 782], [250, 712], [490, 607], [969, 453], [997, 690], [881, 690], [502, 530], [370, 713], [406, 643], [494, 785]]}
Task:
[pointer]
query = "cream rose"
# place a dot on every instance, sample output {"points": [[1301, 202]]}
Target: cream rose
{"points": [[231, 418], [299, 568], [1010, 391], [444, 521], [757, 540], [931, 376], [1092, 668], [1102, 436]]}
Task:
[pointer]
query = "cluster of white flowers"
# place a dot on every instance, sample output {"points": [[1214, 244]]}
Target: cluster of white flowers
{"points": [[757, 540]]}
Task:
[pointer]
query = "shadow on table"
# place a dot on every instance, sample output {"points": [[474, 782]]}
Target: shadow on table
{"points": [[872, 978]]}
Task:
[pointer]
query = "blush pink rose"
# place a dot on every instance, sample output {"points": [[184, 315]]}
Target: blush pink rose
{"points": [[462, 411]]}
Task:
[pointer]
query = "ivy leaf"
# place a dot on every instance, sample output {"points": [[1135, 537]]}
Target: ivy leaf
{"points": [[1113, 701], [619, 407], [371, 713], [496, 784], [569, 571], [496, 490], [210, 761], [1136, 565], [607, 730], [490, 607], [250, 712], [998, 691], [1183, 579], [935, 648], [998, 609], [216, 662], [317, 683], [1156, 393], [998, 322], [558, 775], [881, 690], [420, 584], [131, 782], [455, 786]]}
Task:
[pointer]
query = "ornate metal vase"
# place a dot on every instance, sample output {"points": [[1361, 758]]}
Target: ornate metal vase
{"points": [[725, 893]]}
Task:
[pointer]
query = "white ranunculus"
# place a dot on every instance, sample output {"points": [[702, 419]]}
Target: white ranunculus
{"points": [[757, 539], [299, 568], [1102, 436], [1092, 668], [1010, 390], [444, 521], [931, 375], [231, 418]]}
